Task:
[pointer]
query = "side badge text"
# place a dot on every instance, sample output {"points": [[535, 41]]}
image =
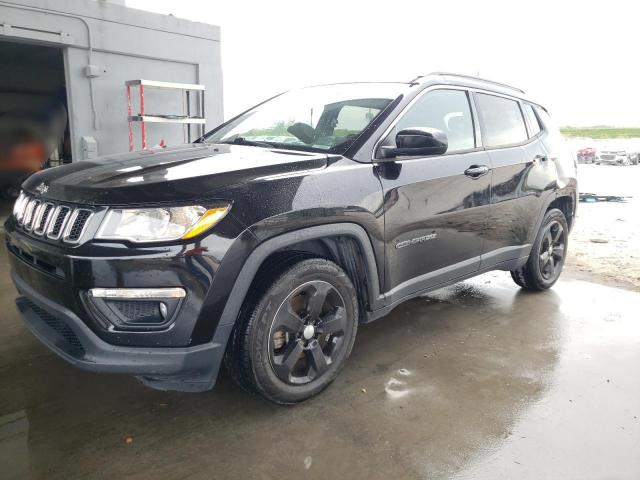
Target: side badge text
{"points": [[414, 241]]}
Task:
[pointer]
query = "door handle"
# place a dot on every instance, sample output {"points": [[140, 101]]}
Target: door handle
{"points": [[542, 158], [475, 171]]}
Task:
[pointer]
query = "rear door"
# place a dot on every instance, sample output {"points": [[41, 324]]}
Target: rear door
{"points": [[518, 161], [436, 208]]}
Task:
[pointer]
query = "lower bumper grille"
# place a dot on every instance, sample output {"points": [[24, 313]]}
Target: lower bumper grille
{"points": [[74, 346]]}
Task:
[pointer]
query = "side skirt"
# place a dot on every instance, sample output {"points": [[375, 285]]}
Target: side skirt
{"points": [[507, 265]]}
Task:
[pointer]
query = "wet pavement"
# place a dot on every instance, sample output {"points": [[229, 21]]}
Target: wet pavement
{"points": [[479, 380], [606, 238]]}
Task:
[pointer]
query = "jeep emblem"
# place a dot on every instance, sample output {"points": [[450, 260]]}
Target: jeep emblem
{"points": [[42, 188]]}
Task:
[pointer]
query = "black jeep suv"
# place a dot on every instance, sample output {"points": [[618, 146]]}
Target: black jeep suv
{"points": [[269, 240]]}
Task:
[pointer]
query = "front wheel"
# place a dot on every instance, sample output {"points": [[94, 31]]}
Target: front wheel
{"points": [[544, 266], [293, 341]]}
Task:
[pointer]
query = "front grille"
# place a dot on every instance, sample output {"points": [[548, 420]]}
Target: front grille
{"points": [[47, 219], [80, 218], [43, 218], [607, 157], [60, 218], [74, 346], [29, 213]]}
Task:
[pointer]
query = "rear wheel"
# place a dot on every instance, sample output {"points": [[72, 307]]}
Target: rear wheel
{"points": [[292, 343], [544, 266]]}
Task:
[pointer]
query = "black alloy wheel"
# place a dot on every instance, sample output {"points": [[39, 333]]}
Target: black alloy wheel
{"points": [[307, 332], [296, 330], [548, 253], [552, 250]]}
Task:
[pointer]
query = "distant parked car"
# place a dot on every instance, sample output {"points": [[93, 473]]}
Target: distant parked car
{"points": [[587, 155], [634, 157], [610, 157]]}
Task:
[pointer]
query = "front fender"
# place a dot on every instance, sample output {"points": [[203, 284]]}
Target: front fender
{"points": [[243, 260]]}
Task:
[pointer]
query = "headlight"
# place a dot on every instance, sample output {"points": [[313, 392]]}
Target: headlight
{"points": [[159, 224]]}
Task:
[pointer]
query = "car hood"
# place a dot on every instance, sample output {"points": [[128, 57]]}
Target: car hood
{"points": [[173, 174]]}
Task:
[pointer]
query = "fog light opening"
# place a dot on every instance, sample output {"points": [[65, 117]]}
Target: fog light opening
{"points": [[139, 309]]}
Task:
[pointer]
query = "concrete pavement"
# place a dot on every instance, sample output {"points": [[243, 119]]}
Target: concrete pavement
{"points": [[479, 380]]}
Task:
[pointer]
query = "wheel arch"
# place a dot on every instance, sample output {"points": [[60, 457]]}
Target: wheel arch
{"points": [[566, 204], [347, 244], [565, 200]]}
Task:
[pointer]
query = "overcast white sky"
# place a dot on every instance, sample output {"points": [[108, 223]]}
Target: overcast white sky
{"points": [[579, 59]]}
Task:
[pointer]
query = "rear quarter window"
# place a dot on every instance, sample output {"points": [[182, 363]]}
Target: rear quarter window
{"points": [[532, 120], [549, 126], [501, 120]]}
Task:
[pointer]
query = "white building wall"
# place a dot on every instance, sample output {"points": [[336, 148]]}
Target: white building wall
{"points": [[125, 44]]}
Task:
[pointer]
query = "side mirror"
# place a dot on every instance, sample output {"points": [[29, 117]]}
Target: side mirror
{"points": [[418, 141]]}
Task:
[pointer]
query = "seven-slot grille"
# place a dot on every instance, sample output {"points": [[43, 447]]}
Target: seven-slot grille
{"points": [[47, 219]]}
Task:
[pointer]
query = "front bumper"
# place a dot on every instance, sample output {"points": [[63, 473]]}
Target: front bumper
{"points": [[170, 368]]}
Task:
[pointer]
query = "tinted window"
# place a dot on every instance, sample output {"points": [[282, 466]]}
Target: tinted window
{"points": [[546, 119], [353, 118], [323, 118], [549, 125], [534, 125], [446, 110], [502, 121]]}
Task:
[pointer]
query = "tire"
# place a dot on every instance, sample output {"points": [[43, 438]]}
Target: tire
{"points": [[549, 251], [293, 340]]}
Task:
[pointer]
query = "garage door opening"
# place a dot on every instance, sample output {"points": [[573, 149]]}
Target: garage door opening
{"points": [[34, 126]]}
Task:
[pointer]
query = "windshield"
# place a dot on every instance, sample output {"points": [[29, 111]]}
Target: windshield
{"points": [[327, 118]]}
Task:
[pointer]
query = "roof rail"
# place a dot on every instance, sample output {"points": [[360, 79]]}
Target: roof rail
{"points": [[476, 78]]}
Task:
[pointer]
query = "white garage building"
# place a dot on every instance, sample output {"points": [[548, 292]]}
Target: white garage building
{"points": [[81, 53]]}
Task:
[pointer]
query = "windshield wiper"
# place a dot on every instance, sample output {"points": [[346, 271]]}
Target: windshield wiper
{"points": [[249, 143]]}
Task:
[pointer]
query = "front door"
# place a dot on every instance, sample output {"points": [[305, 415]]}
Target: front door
{"points": [[436, 208]]}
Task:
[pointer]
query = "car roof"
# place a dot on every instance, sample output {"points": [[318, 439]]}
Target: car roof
{"points": [[457, 79]]}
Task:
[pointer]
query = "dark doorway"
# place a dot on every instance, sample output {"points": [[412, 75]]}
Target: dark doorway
{"points": [[34, 131]]}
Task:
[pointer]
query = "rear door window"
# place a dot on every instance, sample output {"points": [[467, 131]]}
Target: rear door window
{"points": [[532, 120], [446, 110], [501, 120]]}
